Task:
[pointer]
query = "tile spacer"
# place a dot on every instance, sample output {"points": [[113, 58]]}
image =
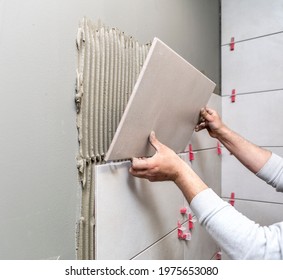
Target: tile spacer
{"points": [[232, 44], [232, 199], [191, 153], [233, 96], [219, 255], [219, 150], [190, 221]]}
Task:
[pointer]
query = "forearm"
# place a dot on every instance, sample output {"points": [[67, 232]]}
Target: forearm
{"points": [[189, 182], [249, 154]]}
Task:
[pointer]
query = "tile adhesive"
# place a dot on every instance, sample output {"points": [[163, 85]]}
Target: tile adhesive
{"points": [[109, 63]]}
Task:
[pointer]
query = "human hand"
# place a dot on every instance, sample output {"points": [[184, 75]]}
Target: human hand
{"points": [[210, 120], [164, 165]]}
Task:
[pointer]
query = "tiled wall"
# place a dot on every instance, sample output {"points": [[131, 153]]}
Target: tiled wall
{"points": [[136, 219], [255, 70]]}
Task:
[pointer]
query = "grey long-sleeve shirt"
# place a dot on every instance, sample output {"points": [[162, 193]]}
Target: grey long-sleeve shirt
{"points": [[238, 236]]}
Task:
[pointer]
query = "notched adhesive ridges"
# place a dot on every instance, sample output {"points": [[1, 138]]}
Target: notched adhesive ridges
{"points": [[109, 63]]}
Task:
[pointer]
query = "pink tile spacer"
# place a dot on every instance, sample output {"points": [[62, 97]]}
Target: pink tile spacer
{"points": [[190, 222], [232, 44], [232, 199], [191, 153], [233, 96], [219, 150]]}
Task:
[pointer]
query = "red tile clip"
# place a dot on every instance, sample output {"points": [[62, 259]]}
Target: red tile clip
{"points": [[180, 230], [181, 234], [191, 153], [190, 221], [219, 150], [219, 255], [232, 44], [233, 96], [183, 210], [232, 199]]}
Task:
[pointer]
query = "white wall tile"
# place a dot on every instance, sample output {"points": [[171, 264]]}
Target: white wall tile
{"points": [[207, 164], [238, 179], [244, 19], [257, 117], [254, 65], [131, 213], [168, 248], [201, 246], [201, 139]]}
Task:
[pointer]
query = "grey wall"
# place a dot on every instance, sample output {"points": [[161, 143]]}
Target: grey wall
{"points": [[40, 195]]}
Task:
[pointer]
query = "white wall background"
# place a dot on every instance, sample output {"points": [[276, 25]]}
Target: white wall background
{"points": [[39, 203], [255, 70]]}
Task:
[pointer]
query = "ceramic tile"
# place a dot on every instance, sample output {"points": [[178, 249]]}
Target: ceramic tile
{"points": [[168, 248], [236, 178], [249, 19], [254, 65], [131, 213], [257, 117], [207, 164], [167, 98], [201, 139], [263, 213], [201, 246]]}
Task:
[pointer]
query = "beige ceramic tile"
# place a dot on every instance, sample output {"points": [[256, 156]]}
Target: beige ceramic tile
{"points": [[254, 65], [257, 117], [167, 99], [201, 246], [250, 19], [130, 213], [168, 248]]}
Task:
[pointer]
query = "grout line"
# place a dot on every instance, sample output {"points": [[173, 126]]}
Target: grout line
{"points": [[251, 200], [254, 38], [254, 92], [154, 243]]}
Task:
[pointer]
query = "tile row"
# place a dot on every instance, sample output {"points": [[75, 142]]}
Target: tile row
{"points": [[132, 214], [253, 66], [249, 19]]}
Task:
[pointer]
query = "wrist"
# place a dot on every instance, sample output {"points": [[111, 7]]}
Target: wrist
{"points": [[222, 132], [189, 182]]}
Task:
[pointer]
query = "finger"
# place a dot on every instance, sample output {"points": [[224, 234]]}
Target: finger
{"points": [[209, 111], [140, 163], [139, 173], [207, 114], [154, 142], [200, 126]]}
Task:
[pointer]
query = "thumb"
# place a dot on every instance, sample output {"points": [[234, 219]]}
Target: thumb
{"points": [[207, 114], [154, 142]]}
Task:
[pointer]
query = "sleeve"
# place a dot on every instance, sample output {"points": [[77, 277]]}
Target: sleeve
{"points": [[272, 172], [237, 236]]}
